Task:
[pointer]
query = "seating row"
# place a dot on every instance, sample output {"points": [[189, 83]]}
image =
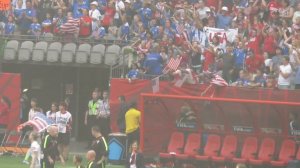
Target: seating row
{"points": [[216, 151], [67, 53]]}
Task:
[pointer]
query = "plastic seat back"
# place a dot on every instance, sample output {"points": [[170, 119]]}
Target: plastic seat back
{"points": [[267, 149], [213, 145], [176, 143], [192, 144], [250, 147], [229, 146], [287, 150]]}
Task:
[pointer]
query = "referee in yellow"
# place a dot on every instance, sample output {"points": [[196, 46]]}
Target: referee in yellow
{"points": [[132, 120]]}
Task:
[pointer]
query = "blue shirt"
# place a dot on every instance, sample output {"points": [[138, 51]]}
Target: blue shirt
{"points": [[153, 64], [30, 12], [169, 33], [223, 22], [9, 28], [155, 32], [239, 57], [35, 27], [145, 14], [125, 30], [76, 8], [133, 73], [101, 32], [18, 12], [297, 77]]}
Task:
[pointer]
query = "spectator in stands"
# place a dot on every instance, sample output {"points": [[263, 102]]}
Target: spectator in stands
{"points": [[10, 26], [25, 18], [19, 7], [153, 62], [35, 28], [78, 6], [47, 24], [243, 79], [285, 72], [223, 18], [109, 13], [125, 30], [259, 79], [99, 33], [133, 73], [228, 62], [253, 61], [297, 66], [58, 21], [120, 9], [239, 54], [95, 15], [85, 24]]}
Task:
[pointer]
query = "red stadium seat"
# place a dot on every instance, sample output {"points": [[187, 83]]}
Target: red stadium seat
{"points": [[298, 154], [248, 151], [175, 145], [287, 153], [211, 148], [228, 149], [266, 152], [191, 147]]}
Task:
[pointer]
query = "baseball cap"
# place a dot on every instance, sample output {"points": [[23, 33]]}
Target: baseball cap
{"points": [[94, 3], [224, 8]]}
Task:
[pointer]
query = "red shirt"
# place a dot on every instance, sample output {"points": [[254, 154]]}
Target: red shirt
{"points": [[213, 3], [4, 109], [255, 44], [108, 16], [83, 29], [253, 63], [270, 44], [209, 59], [274, 7]]}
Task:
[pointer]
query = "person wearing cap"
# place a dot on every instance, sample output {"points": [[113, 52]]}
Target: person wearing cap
{"points": [[223, 19], [202, 10], [95, 15]]}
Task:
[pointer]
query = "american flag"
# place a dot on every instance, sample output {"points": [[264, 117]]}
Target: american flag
{"points": [[180, 29], [173, 64], [218, 80], [155, 84], [39, 123], [71, 26]]}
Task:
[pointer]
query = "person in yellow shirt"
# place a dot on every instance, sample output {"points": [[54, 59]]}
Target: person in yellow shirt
{"points": [[132, 120]]}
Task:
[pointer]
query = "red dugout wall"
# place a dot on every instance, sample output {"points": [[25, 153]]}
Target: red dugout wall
{"points": [[161, 113], [10, 87]]}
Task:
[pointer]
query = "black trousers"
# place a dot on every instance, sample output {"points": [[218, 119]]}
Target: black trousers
{"points": [[45, 163], [104, 124], [91, 121], [133, 136]]}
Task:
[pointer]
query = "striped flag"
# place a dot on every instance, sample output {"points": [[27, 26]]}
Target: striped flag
{"points": [[39, 123], [71, 26], [180, 29], [218, 80], [155, 84], [173, 64]]}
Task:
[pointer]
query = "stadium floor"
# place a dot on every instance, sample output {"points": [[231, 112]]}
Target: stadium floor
{"points": [[16, 162]]}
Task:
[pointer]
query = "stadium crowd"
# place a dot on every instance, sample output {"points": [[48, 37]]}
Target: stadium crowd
{"points": [[264, 53]]}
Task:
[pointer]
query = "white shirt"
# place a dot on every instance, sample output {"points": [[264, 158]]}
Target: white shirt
{"points": [[62, 120], [134, 164], [104, 108], [96, 16], [35, 147], [119, 5], [296, 14], [51, 115], [286, 69]]}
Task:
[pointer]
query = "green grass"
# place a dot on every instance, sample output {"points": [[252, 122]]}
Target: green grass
{"points": [[16, 162]]}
